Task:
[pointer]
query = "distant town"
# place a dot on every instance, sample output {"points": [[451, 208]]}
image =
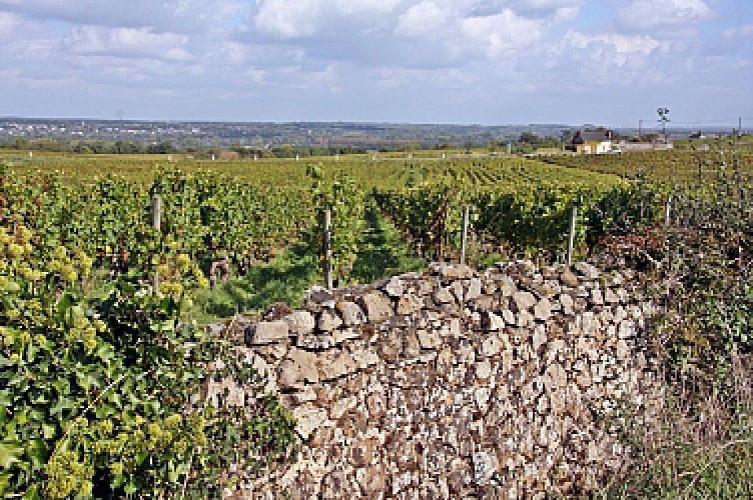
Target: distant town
{"points": [[281, 139]]}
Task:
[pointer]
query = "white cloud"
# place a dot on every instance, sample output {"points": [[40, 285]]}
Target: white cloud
{"points": [[621, 44], [502, 32], [302, 18], [128, 42], [9, 25], [607, 58], [565, 14], [645, 15], [423, 20], [177, 16], [739, 32], [288, 19], [393, 78]]}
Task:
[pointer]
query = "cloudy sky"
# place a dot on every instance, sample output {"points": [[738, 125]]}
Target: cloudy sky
{"points": [[610, 62]]}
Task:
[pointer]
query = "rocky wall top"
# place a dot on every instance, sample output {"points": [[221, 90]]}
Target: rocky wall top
{"points": [[455, 383]]}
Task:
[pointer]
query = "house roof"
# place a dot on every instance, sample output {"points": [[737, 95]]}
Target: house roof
{"points": [[599, 135]]}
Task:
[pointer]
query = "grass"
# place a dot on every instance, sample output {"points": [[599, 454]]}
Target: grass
{"points": [[699, 445], [382, 251], [286, 278]]}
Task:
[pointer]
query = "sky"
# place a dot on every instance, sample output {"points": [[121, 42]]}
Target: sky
{"points": [[491, 62]]}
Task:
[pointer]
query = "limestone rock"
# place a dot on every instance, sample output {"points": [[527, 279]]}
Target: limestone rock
{"points": [[378, 307], [309, 418], [300, 366], [491, 322], [474, 289], [351, 314], [316, 341], [341, 334], [429, 339], [626, 329], [394, 287], [509, 317], [569, 279], [451, 271], [409, 304], [364, 357], [596, 298], [329, 321], [300, 322], [586, 270], [485, 464], [268, 332], [483, 370], [567, 304], [506, 285], [335, 365], [542, 310], [443, 296], [491, 346], [539, 337], [523, 301]]}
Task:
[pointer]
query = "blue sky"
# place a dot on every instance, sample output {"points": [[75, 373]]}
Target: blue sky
{"points": [[610, 62]]}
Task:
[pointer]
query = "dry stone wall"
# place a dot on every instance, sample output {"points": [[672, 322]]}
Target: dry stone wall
{"points": [[455, 383]]}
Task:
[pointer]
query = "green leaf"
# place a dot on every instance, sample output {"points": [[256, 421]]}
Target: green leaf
{"points": [[118, 481], [49, 431], [4, 483], [4, 362], [36, 450], [32, 493], [6, 398], [130, 488], [31, 352], [63, 403], [10, 453]]}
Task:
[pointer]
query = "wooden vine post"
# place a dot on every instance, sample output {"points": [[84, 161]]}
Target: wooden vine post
{"points": [[464, 234], [157, 224], [571, 236], [328, 249]]}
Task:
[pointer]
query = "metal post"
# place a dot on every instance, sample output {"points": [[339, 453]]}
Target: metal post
{"points": [[571, 237], [328, 249], [668, 211], [464, 233]]}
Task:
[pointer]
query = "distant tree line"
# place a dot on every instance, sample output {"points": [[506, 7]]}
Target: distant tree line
{"points": [[95, 146], [527, 142]]}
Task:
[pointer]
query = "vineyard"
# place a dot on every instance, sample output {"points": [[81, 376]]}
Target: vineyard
{"points": [[102, 259], [684, 167]]}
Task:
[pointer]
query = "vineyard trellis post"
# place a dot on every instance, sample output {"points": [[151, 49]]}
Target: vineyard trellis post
{"points": [[157, 224], [328, 249], [157, 212], [464, 233], [571, 236]]}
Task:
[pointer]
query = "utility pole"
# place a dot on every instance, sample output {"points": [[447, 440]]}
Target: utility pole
{"points": [[663, 112]]}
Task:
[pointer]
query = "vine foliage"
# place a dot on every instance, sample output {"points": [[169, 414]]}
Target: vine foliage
{"points": [[101, 398]]}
